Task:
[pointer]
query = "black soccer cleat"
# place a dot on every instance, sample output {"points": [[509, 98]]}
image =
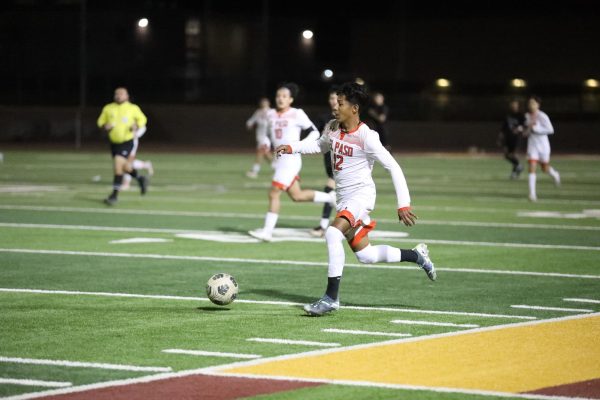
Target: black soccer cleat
{"points": [[143, 181], [110, 200]]}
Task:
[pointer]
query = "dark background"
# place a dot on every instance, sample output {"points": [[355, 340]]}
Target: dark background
{"points": [[200, 66]]}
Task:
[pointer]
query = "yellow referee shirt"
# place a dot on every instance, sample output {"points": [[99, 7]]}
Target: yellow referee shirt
{"points": [[121, 117]]}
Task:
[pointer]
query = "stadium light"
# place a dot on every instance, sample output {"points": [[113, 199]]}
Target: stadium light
{"points": [[327, 74], [143, 23], [518, 83], [442, 83], [307, 34], [360, 81], [591, 83]]}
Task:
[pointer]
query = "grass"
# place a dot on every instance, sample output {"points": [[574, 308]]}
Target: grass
{"points": [[457, 198]]}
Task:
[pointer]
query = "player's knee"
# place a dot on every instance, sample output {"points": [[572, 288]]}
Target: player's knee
{"points": [[333, 234], [368, 255]]}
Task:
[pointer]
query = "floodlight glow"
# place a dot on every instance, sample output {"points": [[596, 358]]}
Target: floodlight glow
{"points": [[518, 83], [442, 83], [360, 81], [328, 73], [143, 23], [307, 34], [591, 83]]}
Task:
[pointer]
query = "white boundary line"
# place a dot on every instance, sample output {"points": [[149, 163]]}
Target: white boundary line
{"points": [[413, 240], [366, 333], [294, 342], [264, 302], [528, 307], [210, 353], [215, 371], [431, 323], [33, 382], [79, 364], [289, 217], [289, 262], [576, 300]]}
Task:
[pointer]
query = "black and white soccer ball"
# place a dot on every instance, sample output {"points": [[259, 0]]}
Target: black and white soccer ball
{"points": [[222, 289]]}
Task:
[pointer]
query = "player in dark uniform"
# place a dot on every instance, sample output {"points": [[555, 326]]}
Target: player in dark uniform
{"points": [[320, 123], [510, 136], [376, 117]]}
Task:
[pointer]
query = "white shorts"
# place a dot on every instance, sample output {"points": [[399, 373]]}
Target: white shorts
{"points": [[355, 207], [263, 142], [287, 171], [538, 148]]}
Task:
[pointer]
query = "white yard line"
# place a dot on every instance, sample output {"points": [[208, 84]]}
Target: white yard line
{"points": [[366, 333], [289, 217], [290, 262], [216, 371], [262, 302], [528, 307], [210, 353], [295, 342], [80, 364], [576, 300], [33, 382], [432, 323]]}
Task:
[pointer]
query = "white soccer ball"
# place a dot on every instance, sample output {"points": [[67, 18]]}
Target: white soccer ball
{"points": [[222, 289]]}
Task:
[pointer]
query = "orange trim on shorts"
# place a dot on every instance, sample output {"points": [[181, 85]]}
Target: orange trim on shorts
{"points": [[362, 233], [282, 186], [348, 215]]}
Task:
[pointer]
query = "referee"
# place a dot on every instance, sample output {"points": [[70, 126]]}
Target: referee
{"points": [[123, 121]]}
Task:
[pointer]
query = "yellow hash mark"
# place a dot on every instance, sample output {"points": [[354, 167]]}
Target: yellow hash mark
{"points": [[511, 359]]}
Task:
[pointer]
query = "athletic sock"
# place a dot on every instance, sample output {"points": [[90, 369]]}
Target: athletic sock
{"points": [[554, 174], [335, 250], [532, 179], [324, 223], [409, 255], [321, 197], [117, 182], [138, 164], [333, 286], [270, 222], [256, 168]]}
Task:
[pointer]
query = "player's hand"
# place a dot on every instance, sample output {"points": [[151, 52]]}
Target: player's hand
{"points": [[406, 216], [134, 128], [283, 149]]}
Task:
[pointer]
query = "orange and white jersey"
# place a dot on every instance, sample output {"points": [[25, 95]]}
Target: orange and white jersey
{"points": [[287, 127], [353, 154]]}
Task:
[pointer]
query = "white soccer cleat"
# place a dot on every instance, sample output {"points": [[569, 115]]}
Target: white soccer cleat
{"points": [[150, 168], [532, 199], [425, 262], [252, 174], [557, 180], [260, 234]]}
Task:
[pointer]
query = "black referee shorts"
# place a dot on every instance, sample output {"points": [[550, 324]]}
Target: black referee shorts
{"points": [[121, 149]]}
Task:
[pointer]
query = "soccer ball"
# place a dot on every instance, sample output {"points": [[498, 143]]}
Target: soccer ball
{"points": [[222, 289]]}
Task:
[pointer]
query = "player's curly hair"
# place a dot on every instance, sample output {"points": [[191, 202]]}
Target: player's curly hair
{"points": [[291, 86], [355, 94]]}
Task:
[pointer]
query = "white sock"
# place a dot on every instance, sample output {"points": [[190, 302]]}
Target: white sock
{"points": [[554, 174], [137, 164], [270, 222], [335, 248], [324, 223], [322, 197], [256, 168], [375, 254], [126, 178], [532, 178]]}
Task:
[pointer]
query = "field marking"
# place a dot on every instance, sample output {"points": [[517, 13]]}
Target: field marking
{"points": [[80, 364], [295, 342], [33, 382], [290, 217], [366, 333], [576, 300], [140, 240], [210, 353], [263, 302], [217, 371], [285, 365], [412, 240], [528, 307], [291, 262], [432, 323]]}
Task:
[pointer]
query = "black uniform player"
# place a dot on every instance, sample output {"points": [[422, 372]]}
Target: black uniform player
{"points": [[510, 135]]}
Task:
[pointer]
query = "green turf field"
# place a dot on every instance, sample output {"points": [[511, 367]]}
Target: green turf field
{"points": [[493, 250]]}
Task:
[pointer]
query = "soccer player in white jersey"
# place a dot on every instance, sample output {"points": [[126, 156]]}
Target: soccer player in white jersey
{"points": [[354, 149], [286, 125], [538, 146], [259, 122]]}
